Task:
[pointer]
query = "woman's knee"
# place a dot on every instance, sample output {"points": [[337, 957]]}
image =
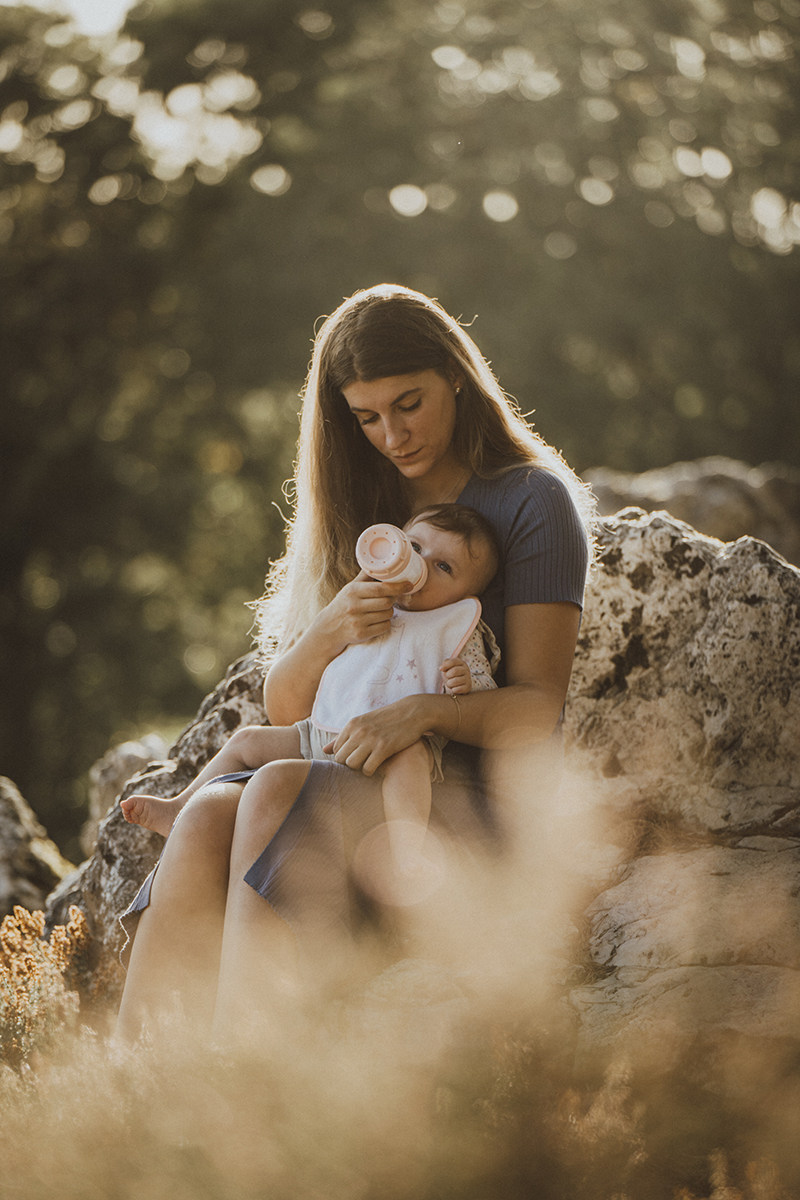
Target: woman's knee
{"points": [[274, 787], [210, 811]]}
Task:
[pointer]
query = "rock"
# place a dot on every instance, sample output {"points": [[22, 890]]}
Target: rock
{"points": [[655, 1019], [108, 777], [680, 814], [721, 497], [684, 723], [684, 699], [30, 864], [716, 906], [106, 883]]}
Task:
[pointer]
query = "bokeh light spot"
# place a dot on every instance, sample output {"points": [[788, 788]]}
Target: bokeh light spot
{"points": [[716, 164], [659, 214], [596, 191], [408, 200], [199, 659], [271, 180], [689, 401], [688, 162], [145, 574], [538, 85], [219, 458], [174, 363], [104, 190], [560, 245], [11, 135], [44, 591], [186, 99], [712, 221], [682, 131], [602, 110], [440, 196], [448, 57], [316, 23], [768, 207], [67, 80], [500, 206], [75, 234], [60, 639], [73, 115]]}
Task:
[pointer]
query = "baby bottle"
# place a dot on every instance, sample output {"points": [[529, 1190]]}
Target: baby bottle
{"points": [[385, 553]]}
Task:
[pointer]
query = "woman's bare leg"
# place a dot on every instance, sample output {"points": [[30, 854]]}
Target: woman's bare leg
{"points": [[246, 750], [175, 954], [258, 958]]}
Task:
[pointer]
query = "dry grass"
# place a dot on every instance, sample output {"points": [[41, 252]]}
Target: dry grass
{"points": [[346, 1102], [454, 1077], [37, 1000]]}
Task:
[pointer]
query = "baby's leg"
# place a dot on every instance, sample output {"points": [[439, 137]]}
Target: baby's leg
{"points": [[247, 750], [407, 805]]}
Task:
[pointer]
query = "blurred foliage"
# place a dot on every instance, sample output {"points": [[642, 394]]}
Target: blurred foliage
{"points": [[610, 187], [38, 1003]]}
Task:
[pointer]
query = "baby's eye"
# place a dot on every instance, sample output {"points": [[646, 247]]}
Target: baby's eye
{"points": [[416, 547], [443, 566]]}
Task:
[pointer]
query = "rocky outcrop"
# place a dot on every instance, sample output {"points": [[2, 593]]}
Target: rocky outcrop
{"points": [[107, 882], [684, 691], [684, 727], [681, 804], [109, 775], [30, 864], [718, 496]]}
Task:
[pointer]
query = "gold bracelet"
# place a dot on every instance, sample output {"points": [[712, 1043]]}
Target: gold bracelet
{"points": [[453, 696]]}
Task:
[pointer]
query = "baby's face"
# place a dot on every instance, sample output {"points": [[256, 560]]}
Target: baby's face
{"points": [[453, 572]]}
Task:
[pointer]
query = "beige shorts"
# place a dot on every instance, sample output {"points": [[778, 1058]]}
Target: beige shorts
{"points": [[312, 741]]}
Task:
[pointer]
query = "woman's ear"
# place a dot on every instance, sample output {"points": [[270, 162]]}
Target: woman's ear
{"points": [[455, 377]]}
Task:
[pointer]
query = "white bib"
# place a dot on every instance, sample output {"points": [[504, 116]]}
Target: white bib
{"points": [[403, 662]]}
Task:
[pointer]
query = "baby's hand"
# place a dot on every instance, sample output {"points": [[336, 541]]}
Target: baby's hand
{"points": [[457, 679]]}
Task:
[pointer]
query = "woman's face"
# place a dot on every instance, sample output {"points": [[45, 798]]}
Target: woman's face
{"points": [[409, 419]]}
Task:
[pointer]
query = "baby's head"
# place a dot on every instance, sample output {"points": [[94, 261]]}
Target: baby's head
{"points": [[460, 551]]}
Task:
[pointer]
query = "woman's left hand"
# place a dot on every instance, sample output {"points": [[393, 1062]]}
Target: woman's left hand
{"points": [[368, 740]]}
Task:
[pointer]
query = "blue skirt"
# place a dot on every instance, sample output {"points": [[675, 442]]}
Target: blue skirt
{"points": [[306, 872]]}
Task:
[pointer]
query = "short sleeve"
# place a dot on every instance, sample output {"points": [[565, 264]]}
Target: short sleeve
{"points": [[546, 551], [543, 542]]}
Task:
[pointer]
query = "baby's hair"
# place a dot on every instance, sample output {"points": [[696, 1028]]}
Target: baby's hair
{"points": [[469, 524]]}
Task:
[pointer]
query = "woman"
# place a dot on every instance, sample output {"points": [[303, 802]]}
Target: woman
{"points": [[400, 411]]}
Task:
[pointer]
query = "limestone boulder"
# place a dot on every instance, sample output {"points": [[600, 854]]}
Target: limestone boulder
{"points": [[30, 864], [684, 725], [684, 701], [109, 775], [711, 907], [720, 1015], [718, 496], [680, 815], [105, 884]]}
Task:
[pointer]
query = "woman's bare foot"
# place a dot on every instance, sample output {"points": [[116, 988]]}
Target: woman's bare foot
{"points": [[151, 812]]}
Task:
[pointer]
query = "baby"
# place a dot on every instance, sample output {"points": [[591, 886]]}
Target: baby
{"points": [[436, 642]]}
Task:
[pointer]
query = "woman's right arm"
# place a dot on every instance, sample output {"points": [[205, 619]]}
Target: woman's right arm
{"points": [[360, 611]]}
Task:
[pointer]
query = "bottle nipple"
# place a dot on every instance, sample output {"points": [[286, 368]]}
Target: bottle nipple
{"points": [[385, 553]]}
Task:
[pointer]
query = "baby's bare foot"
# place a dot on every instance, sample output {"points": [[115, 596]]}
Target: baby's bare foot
{"points": [[151, 812]]}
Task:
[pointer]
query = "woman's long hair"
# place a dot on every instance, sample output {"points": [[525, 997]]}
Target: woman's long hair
{"points": [[342, 483]]}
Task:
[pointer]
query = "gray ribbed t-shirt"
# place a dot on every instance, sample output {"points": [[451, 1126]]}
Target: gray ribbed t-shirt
{"points": [[542, 540]]}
